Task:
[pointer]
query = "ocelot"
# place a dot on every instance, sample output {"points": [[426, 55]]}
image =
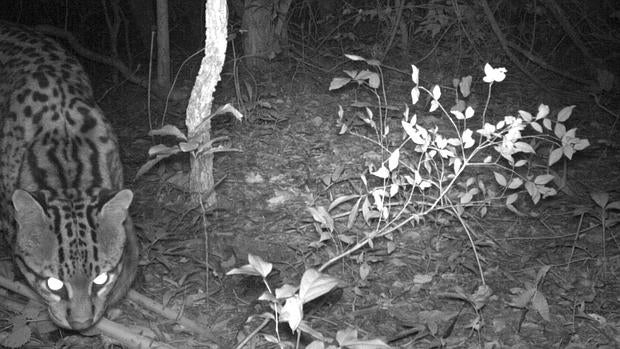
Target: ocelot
{"points": [[63, 209]]}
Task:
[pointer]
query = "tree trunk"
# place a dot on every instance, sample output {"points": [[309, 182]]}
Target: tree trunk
{"points": [[163, 45], [199, 107], [265, 23], [143, 17]]}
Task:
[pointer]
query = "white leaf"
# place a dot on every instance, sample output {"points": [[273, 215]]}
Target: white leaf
{"points": [[337, 83], [511, 199], [555, 156], [468, 140], [515, 183], [292, 312], [382, 172], [436, 92], [364, 270], [393, 160], [565, 113], [315, 284], [560, 130], [465, 85], [469, 112], [355, 57], [500, 179], [536, 126], [263, 268], [525, 115], [415, 95], [543, 179], [539, 303], [543, 111], [168, 130], [415, 73], [520, 163], [286, 291]]}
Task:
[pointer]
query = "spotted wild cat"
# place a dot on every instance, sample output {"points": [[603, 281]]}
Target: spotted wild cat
{"points": [[63, 209]]}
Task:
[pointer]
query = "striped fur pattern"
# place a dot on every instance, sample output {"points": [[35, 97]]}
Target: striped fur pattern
{"points": [[63, 209]]}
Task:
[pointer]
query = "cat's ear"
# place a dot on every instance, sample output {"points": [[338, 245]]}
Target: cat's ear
{"points": [[35, 238], [112, 235]]}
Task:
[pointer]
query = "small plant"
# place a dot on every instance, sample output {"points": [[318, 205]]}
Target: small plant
{"points": [[605, 212], [194, 145], [463, 171], [428, 171], [287, 303], [532, 297]]}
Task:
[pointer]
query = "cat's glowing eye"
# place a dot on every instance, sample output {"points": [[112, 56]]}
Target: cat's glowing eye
{"points": [[101, 279], [54, 284]]}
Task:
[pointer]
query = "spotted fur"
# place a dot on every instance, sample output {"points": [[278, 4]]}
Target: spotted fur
{"points": [[63, 209]]}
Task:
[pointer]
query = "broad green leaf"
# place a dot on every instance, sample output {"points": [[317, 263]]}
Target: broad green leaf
{"points": [[149, 165], [601, 198], [559, 130], [466, 198], [292, 312], [469, 112], [353, 213], [543, 111], [321, 216], [565, 113], [263, 268], [500, 179], [465, 85], [436, 92], [338, 83], [393, 160], [168, 130], [355, 57], [539, 303], [536, 126], [364, 270], [515, 183], [523, 299], [614, 205], [161, 149], [525, 115], [543, 179], [341, 199], [555, 156], [382, 172], [520, 163], [415, 73], [415, 95], [286, 291], [373, 62], [315, 284]]}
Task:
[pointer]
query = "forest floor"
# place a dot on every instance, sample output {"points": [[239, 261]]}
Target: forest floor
{"points": [[418, 289]]}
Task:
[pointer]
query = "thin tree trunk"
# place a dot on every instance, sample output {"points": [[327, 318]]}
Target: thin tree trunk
{"points": [[199, 107], [163, 45]]}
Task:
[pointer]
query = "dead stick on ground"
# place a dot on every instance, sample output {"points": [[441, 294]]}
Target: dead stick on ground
{"points": [[169, 313]]}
